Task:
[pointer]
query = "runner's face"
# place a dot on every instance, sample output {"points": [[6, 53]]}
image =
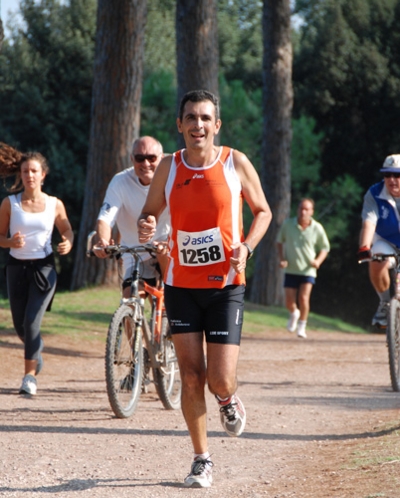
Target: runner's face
{"points": [[32, 174], [305, 211], [145, 166], [198, 124]]}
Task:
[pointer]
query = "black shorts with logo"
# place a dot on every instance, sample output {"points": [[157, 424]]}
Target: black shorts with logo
{"points": [[216, 312]]}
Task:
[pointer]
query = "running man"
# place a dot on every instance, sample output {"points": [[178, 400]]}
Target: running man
{"points": [[302, 247], [203, 186]]}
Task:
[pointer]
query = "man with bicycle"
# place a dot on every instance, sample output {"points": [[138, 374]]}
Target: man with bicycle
{"points": [[380, 232], [203, 186], [122, 206]]}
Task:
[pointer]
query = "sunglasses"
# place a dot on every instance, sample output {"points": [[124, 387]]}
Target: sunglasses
{"points": [[391, 175], [140, 158]]}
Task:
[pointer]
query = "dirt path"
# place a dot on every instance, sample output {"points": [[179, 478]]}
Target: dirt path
{"points": [[322, 422]]}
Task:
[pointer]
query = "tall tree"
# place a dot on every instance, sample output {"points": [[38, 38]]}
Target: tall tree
{"points": [[115, 118], [196, 46], [277, 133]]}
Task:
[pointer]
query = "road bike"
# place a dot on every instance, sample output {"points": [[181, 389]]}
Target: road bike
{"points": [[393, 322], [139, 341]]}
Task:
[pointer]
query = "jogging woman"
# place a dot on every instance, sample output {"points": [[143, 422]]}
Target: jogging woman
{"points": [[27, 219]]}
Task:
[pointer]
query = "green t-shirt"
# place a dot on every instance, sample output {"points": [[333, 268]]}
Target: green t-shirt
{"points": [[302, 246]]}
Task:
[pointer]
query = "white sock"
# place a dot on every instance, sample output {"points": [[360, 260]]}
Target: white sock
{"points": [[203, 456], [222, 400], [301, 324]]}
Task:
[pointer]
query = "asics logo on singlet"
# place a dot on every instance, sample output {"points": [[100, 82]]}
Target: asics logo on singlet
{"points": [[196, 175], [385, 213], [197, 240]]}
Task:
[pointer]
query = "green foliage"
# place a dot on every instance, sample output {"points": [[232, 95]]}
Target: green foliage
{"points": [[241, 115], [240, 41], [45, 91], [158, 110], [305, 155], [347, 76], [160, 51]]}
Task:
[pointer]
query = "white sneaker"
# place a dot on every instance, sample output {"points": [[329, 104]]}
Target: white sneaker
{"points": [[28, 385], [200, 475], [301, 330], [293, 319], [232, 415]]}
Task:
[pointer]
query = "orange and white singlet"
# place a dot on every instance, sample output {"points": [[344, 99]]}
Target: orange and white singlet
{"points": [[205, 206]]}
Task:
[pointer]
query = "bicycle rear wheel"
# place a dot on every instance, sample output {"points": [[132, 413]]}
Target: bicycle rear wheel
{"points": [[124, 362], [393, 342], [167, 377]]}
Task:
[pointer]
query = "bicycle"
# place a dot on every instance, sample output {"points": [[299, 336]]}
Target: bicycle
{"points": [[393, 324], [127, 361]]}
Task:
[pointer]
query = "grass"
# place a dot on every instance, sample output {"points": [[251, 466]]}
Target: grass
{"points": [[257, 317], [84, 313], [87, 313], [384, 451]]}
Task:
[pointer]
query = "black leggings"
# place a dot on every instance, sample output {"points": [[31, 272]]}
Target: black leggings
{"points": [[28, 304]]}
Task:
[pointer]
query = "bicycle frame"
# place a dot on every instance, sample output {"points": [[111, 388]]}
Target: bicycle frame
{"points": [[156, 293], [393, 318], [128, 362]]}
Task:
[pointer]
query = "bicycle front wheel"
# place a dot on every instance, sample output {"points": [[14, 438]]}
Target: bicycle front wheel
{"points": [[167, 377], [393, 342], [124, 362]]}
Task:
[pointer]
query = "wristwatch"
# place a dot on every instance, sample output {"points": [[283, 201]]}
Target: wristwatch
{"points": [[249, 249]]}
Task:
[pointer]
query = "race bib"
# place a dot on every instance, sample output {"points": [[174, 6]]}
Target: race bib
{"points": [[200, 248]]}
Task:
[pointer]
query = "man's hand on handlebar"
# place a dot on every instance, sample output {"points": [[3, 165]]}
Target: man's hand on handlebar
{"points": [[364, 254], [99, 248]]}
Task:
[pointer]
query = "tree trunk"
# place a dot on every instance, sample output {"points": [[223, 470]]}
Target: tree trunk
{"points": [[277, 134], [196, 46], [115, 118]]}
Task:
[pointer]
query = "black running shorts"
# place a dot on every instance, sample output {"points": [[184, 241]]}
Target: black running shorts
{"points": [[216, 312]]}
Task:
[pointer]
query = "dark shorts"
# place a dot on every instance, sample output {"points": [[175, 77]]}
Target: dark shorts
{"points": [[216, 312], [294, 281]]}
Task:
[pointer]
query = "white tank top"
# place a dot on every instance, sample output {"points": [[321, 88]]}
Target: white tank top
{"points": [[37, 228]]}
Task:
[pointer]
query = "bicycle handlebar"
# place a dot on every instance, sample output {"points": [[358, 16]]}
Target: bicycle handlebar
{"points": [[380, 257], [118, 249]]}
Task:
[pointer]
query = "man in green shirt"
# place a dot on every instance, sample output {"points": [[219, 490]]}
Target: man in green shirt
{"points": [[302, 247]]}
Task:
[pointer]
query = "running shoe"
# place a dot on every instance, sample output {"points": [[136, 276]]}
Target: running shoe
{"points": [[28, 385], [293, 319], [233, 415], [301, 331], [200, 475], [39, 365], [380, 317]]}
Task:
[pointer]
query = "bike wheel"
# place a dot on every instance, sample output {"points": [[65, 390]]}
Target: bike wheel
{"points": [[393, 342], [167, 377], [124, 362]]}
